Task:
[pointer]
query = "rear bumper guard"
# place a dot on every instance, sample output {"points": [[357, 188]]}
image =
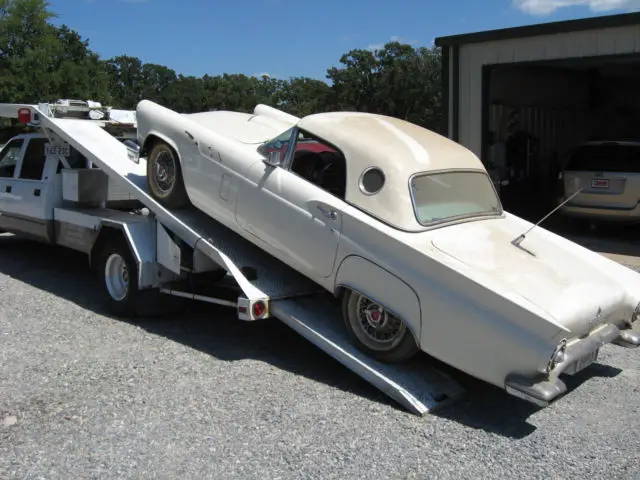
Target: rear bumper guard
{"points": [[542, 390]]}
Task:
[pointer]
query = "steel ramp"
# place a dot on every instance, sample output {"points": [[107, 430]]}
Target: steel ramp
{"points": [[417, 385], [273, 279]]}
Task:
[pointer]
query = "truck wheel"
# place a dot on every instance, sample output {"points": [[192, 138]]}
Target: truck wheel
{"points": [[117, 271], [375, 331], [164, 175]]}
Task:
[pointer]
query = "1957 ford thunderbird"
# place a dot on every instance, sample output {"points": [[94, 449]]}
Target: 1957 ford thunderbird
{"points": [[405, 227]]}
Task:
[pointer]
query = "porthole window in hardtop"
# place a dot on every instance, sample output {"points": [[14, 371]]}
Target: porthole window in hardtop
{"points": [[372, 180]]}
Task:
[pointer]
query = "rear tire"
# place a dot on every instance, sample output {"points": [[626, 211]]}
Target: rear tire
{"points": [[375, 331], [164, 176], [118, 273]]}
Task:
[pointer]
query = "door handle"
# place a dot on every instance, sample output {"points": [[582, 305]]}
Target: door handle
{"points": [[7, 189], [36, 192], [328, 212]]}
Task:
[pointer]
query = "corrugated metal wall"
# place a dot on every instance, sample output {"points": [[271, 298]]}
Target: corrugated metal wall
{"points": [[557, 129], [613, 41]]}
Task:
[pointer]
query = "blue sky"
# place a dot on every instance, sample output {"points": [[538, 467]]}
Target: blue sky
{"points": [[292, 38]]}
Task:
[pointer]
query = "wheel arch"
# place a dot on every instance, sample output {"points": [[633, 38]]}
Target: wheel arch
{"points": [[152, 139], [356, 273], [105, 233], [141, 242]]}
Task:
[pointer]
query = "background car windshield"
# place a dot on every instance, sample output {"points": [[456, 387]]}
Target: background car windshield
{"points": [[450, 195], [608, 157]]}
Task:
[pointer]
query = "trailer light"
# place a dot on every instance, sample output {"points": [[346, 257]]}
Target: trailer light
{"points": [[24, 115], [259, 308]]}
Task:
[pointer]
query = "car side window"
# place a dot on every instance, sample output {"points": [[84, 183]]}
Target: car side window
{"points": [[9, 158], [33, 160], [319, 163]]}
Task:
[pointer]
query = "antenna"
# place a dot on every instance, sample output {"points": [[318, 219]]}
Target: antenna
{"points": [[518, 240]]}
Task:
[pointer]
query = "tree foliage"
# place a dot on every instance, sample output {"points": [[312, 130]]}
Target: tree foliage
{"points": [[43, 62]]}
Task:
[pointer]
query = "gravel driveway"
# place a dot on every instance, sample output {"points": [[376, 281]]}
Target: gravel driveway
{"points": [[84, 395]]}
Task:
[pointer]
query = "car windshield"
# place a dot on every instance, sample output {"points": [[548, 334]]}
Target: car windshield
{"points": [[452, 195], [608, 157]]}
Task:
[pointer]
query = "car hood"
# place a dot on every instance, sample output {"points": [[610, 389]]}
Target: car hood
{"points": [[243, 127], [570, 290]]}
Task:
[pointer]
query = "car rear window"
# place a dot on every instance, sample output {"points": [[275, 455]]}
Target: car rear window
{"points": [[606, 157], [451, 195]]}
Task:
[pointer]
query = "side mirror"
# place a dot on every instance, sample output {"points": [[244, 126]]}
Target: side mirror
{"points": [[273, 159]]}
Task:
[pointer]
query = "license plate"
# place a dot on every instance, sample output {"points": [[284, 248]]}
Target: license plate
{"points": [[600, 183], [582, 363], [57, 149]]}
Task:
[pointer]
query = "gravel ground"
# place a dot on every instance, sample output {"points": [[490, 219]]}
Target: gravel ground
{"points": [[84, 395]]}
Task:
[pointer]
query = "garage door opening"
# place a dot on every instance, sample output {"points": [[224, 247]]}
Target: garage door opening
{"points": [[535, 114]]}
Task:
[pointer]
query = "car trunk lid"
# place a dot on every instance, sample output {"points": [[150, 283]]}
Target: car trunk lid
{"points": [[570, 290]]}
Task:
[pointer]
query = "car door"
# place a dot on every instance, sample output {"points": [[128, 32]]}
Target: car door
{"points": [[300, 220], [9, 158], [30, 189]]}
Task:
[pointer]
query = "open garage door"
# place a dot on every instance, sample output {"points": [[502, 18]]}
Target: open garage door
{"points": [[537, 113]]}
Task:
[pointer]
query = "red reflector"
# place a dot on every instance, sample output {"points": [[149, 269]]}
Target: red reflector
{"points": [[24, 115], [242, 309], [259, 308]]}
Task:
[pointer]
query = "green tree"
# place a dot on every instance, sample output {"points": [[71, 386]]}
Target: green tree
{"points": [[42, 62], [397, 80]]}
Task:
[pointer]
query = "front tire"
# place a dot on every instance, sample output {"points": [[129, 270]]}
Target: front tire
{"points": [[164, 176], [376, 331]]}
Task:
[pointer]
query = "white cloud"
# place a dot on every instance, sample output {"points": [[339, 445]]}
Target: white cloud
{"points": [[546, 7]]}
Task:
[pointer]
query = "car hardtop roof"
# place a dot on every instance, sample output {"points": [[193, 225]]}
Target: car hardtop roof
{"points": [[369, 139], [398, 148]]}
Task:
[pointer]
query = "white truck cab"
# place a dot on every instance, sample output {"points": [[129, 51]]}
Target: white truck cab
{"points": [[31, 184]]}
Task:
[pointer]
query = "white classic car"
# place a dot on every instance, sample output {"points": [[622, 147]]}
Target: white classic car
{"points": [[406, 228]]}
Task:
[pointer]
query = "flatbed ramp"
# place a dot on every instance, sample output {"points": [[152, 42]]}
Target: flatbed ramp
{"points": [[416, 385]]}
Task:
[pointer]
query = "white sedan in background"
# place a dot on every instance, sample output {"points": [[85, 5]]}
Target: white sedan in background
{"points": [[404, 226]]}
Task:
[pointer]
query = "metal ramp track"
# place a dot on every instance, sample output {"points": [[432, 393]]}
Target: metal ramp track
{"points": [[274, 279], [416, 385]]}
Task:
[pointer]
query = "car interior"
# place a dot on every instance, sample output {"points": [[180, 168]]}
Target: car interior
{"points": [[326, 169]]}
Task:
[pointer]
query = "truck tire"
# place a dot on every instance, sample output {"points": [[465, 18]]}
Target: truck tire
{"points": [[117, 272], [375, 331], [164, 176]]}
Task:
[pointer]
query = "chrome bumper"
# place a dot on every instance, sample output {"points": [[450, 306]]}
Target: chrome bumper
{"points": [[542, 390]]}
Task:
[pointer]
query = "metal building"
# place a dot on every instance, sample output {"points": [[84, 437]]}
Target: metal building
{"points": [[551, 85]]}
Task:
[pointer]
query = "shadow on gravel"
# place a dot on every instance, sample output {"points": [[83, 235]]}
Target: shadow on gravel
{"points": [[489, 408], [215, 331], [209, 328]]}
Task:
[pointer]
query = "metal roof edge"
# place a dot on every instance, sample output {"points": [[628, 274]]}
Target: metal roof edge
{"points": [[548, 28]]}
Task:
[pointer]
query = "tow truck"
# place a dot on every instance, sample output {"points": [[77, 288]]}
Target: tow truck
{"points": [[64, 186]]}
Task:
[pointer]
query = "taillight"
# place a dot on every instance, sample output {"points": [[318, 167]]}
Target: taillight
{"points": [[24, 115], [259, 309]]}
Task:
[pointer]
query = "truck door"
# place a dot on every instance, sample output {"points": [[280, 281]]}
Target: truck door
{"points": [[32, 215], [9, 157]]}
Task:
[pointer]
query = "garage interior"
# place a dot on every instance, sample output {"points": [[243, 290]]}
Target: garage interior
{"points": [[534, 113]]}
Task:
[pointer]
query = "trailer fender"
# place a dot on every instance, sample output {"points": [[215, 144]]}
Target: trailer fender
{"points": [[141, 238], [381, 286]]}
